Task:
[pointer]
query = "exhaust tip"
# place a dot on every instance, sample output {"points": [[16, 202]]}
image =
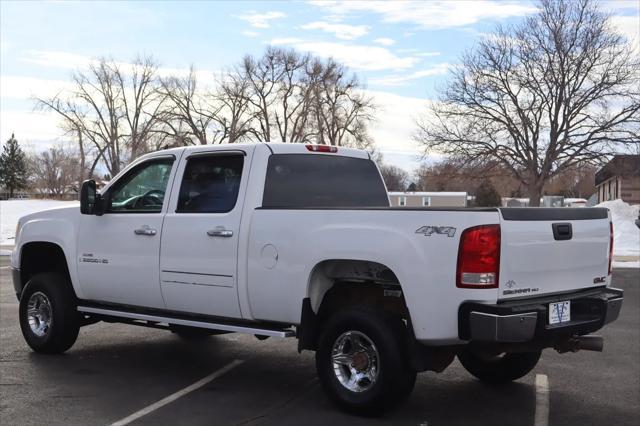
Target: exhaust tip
{"points": [[591, 343], [581, 343]]}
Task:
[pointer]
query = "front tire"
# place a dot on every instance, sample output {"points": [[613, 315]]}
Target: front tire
{"points": [[48, 317], [361, 362], [500, 368]]}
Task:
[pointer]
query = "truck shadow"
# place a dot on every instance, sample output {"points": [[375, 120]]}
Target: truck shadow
{"points": [[101, 382]]}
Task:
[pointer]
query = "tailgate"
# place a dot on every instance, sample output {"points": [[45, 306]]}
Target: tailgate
{"points": [[553, 250]]}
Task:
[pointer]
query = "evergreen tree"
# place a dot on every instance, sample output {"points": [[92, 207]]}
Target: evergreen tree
{"points": [[13, 167], [487, 196]]}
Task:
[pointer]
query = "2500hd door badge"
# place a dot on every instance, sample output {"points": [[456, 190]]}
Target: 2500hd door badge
{"points": [[88, 258]]}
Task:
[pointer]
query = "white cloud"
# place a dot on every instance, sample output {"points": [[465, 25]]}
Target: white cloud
{"points": [[5, 45], [261, 19], [251, 34], [385, 41], [363, 57], [57, 59], [621, 5], [16, 87], [426, 54], [399, 80], [628, 26], [431, 14], [395, 124], [341, 31], [72, 61], [29, 126]]}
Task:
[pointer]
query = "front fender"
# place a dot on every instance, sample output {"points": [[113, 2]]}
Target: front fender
{"points": [[59, 231]]}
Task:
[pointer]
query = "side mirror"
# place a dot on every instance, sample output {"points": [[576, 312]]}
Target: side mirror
{"points": [[90, 200]]}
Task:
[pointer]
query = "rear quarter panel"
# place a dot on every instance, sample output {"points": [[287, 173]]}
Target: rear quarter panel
{"points": [[424, 265]]}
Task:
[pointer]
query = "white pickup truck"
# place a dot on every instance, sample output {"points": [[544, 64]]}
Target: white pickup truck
{"points": [[287, 240]]}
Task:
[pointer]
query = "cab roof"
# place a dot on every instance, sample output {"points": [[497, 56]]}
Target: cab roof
{"points": [[275, 148]]}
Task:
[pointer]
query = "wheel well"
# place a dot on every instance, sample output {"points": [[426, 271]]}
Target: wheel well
{"points": [[336, 284], [343, 281], [38, 257]]}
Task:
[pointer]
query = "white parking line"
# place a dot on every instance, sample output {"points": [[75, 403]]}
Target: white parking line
{"points": [[542, 400], [5, 267], [197, 385]]}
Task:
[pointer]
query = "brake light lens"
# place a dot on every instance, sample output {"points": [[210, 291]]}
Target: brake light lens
{"points": [[479, 257], [610, 245], [322, 148]]}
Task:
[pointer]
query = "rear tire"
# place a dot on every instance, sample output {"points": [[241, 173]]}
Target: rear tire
{"points": [[49, 319], [500, 368], [361, 361]]}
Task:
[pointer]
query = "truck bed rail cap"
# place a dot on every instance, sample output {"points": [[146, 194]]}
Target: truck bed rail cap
{"points": [[553, 213]]}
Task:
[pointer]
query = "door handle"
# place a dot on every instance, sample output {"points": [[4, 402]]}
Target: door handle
{"points": [[220, 232], [145, 230]]}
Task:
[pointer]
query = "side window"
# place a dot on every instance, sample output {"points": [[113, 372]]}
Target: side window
{"points": [[210, 184], [142, 190]]}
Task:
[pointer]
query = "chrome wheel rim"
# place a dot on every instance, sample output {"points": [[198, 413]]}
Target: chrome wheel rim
{"points": [[39, 314], [356, 361]]}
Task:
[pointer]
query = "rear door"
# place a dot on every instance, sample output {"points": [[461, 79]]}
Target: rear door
{"points": [[199, 251], [546, 251]]}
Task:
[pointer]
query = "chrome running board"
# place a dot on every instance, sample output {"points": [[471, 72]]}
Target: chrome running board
{"points": [[189, 323]]}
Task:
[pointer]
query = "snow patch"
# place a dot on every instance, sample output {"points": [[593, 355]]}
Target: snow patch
{"points": [[12, 210], [618, 264], [626, 235]]}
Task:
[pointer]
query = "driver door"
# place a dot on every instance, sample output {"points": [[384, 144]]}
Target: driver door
{"points": [[119, 252]]}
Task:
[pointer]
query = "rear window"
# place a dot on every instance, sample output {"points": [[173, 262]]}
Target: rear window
{"points": [[315, 180], [210, 184]]}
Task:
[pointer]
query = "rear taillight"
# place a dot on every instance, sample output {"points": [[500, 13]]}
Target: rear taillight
{"points": [[479, 257], [322, 148], [610, 245]]}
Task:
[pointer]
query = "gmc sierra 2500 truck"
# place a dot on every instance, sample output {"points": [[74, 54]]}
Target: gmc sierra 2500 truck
{"points": [[293, 240]]}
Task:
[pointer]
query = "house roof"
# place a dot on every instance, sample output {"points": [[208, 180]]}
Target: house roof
{"points": [[620, 165]]}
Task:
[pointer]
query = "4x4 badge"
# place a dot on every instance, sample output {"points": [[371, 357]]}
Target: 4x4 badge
{"points": [[427, 231]]}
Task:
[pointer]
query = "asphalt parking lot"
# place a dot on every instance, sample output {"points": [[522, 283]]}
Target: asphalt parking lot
{"points": [[114, 371]]}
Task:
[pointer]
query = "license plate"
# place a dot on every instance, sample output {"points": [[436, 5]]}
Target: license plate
{"points": [[559, 312]]}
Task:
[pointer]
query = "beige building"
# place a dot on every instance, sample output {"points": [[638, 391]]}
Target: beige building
{"points": [[428, 199], [620, 178]]}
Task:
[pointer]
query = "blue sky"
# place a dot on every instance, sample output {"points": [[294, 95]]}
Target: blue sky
{"points": [[400, 50]]}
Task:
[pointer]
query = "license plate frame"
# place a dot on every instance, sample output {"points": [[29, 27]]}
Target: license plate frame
{"points": [[559, 312]]}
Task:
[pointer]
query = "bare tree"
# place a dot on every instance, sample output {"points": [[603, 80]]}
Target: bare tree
{"points": [[294, 96], [341, 110], [113, 112], [140, 102], [120, 111], [558, 90], [54, 171], [455, 175], [262, 75], [72, 124], [298, 98], [190, 113], [99, 97], [395, 178], [235, 117]]}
